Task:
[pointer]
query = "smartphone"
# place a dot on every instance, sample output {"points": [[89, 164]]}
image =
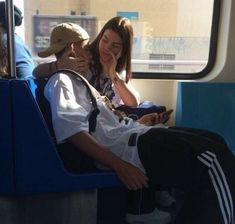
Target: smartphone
{"points": [[167, 113]]}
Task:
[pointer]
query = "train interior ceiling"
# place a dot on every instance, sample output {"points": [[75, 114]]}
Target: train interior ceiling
{"points": [[182, 58]]}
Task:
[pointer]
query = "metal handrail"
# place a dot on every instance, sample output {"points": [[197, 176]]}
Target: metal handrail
{"points": [[168, 62], [144, 61]]}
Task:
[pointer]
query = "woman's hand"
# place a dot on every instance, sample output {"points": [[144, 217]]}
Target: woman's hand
{"points": [[109, 66], [128, 94]]}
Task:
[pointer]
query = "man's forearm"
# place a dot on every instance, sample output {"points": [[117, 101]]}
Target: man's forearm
{"points": [[86, 143]]}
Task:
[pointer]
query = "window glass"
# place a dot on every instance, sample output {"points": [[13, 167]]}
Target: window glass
{"points": [[171, 36]]}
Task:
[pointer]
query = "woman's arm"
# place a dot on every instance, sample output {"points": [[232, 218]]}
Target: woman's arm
{"points": [[80, 65], [126, 91], [45, 69], [131, 176]]}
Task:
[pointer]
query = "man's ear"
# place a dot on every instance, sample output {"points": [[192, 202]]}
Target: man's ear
{"points": [[69, 51], [72, 46]]}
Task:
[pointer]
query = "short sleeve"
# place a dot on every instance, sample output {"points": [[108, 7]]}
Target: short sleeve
{"points": [[69, 116]]}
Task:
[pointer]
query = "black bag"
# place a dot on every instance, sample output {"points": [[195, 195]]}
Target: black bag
{"points": [[146, 107]]}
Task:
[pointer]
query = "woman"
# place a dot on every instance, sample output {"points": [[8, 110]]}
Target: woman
{"points": [[111, 71]]}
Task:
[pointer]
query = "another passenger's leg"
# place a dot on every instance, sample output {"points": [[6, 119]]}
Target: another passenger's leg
{"points": [[201, 167]]}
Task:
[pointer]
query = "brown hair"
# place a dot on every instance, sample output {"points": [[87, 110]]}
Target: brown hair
{"points": [[123, 28], [3, 55]]}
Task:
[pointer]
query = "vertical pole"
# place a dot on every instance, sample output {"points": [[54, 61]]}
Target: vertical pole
{"points": [[10, 37]]}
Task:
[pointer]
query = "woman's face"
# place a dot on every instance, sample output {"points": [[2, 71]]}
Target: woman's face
{"points": [[110, 42]]}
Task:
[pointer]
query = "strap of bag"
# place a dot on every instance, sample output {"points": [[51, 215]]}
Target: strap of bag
{"points": [[96, 111]]}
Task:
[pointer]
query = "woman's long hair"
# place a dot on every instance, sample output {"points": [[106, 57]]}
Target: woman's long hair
{"points": [[123, 28], [3, 55]]}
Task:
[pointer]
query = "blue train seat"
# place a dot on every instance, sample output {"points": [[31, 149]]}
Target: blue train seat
{"points": [[39, 168], [35, 187], [208, 105], [7, 185]]}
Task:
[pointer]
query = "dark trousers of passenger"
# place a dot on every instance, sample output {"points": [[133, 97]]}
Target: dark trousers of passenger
{"points": [[195, 161]]}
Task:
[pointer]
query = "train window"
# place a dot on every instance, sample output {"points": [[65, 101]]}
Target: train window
{"points": [[174, 39]]}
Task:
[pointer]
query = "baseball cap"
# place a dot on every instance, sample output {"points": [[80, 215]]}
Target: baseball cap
{"points": [[17, 15], [62, 35]]}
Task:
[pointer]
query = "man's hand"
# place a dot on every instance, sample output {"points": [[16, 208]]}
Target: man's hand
{"points": [[132, 177], [155, 118]]}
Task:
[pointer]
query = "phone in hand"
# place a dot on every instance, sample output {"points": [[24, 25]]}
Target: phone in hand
{"points": [[165, 115], [167, 112]]}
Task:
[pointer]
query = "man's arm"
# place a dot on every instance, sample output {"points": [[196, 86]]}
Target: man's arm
{"points": [[64, 101], [131, 176]]}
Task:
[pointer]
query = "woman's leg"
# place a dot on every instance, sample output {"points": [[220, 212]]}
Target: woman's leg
{"points": [[200, 166]]}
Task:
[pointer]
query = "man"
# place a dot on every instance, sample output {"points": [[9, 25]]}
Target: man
{"points": [[23, 57], [68, 40], [195, 161]]}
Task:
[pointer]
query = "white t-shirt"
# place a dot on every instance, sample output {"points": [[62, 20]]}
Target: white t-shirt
{"points": [[71, 106]]}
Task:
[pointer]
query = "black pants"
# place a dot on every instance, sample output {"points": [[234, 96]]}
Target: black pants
{"points": [[197, 162]]}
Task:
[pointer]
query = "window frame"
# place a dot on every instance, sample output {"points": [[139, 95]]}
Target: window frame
{"points": [[211, 56]]}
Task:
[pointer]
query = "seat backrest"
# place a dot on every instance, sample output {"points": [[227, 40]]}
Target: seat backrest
{"points": [[73, 159], [7, 185], [38, 164], [193, 109]]}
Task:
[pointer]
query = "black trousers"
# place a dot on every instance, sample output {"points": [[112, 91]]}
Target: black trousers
{"points": [[195, 161]]}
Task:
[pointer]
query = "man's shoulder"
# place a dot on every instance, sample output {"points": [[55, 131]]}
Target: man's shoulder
{"points": [[64, 79], [58, 81], [60, 76]]}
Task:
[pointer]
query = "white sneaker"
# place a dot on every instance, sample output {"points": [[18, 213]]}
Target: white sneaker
{"points": [[155, 217], [164, 199]]}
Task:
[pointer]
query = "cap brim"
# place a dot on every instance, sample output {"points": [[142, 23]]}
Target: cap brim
{"points": [[53, 49]]}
